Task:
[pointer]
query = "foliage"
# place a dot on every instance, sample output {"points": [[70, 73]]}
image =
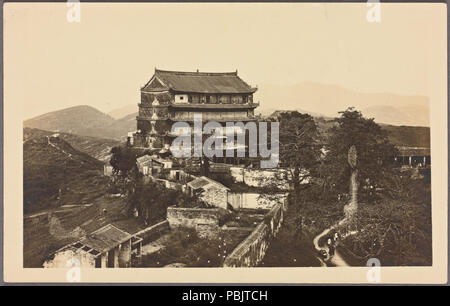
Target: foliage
{"points": [[396, 231], [55, 174], [292, 246], [375, 162], [151, 200], [123, 160], [299, 146]]}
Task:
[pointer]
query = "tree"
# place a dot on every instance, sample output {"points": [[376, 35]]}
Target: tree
{"points": [[300, 151], [151, 200], [123, 160], [375, 155], [126, 174]]}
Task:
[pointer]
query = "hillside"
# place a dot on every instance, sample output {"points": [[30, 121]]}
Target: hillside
{"points": [[82, 120], [65, 193], [408, 136], [56, 174], [98, 148]]}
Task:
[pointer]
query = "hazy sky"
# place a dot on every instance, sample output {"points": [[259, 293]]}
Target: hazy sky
{"points": [[103, 61]]}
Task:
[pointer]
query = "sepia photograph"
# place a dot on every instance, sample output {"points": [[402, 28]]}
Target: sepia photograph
{"points": [[166, 137]]}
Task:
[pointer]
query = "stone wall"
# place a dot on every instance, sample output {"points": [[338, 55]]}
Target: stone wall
{"points": [[153, 232], [251, 251], [215, 195], [204, 220]]}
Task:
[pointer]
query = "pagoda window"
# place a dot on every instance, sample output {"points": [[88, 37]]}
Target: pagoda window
{"points": [[224, 99], [181, 98]]}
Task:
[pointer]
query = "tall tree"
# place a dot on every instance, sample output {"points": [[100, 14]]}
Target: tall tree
{"points": [[375, 162], [300, 150]]}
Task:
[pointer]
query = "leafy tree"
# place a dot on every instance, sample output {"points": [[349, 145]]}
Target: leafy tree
{"points": [[375, 162], [126, 174], [300, 150], [151, 200], [123, 160]]}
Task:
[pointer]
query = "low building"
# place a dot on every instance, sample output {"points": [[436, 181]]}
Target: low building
{"points": [[107, 247], [150, 165], [210, 191], [413, 156], [108, 170]]}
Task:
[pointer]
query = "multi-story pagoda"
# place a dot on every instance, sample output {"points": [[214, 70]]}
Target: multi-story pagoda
{"points": [[172, 96]]}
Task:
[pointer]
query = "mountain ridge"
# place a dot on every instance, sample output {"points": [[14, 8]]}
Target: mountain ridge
{"points": [[82, 120]]}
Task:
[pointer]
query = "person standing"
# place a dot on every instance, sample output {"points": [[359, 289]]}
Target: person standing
{"points": [[331, 247], [336, 237]]}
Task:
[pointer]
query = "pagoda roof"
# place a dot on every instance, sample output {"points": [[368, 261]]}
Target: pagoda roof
{"points": [[198, 82]]}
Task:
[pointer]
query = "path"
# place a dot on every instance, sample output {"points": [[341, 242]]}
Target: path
{"points": [[56, 147], [349, 211]]}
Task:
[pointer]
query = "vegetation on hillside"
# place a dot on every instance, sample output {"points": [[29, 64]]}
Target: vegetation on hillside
{"points": [[99, 148], [56, 174]]}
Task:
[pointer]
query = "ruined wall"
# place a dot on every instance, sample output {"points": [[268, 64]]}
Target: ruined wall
{"points": [[204, 220], [63, 257], [251, 251], [215, 196]]}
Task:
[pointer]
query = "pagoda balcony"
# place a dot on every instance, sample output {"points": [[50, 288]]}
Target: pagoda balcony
{"points": [[214, 105], [218, 119]]}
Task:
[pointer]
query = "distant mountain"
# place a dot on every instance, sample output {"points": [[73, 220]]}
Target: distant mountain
{"points": [[55, 173], [414, 115], [121, 112], [83, 120], [98, 148], [327, 100]]}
